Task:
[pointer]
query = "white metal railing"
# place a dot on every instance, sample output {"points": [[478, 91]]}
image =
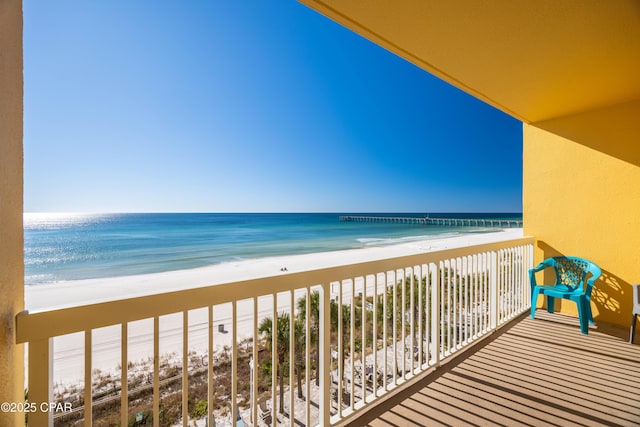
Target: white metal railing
{"points": [[340, 337]]}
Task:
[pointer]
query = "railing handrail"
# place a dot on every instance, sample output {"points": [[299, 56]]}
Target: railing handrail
{"points": [[32, 326]]}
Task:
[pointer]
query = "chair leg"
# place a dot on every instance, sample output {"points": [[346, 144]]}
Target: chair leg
{"points": [[588, 304], [583, 315], [534, 302], [551, 302], [634, 317]]}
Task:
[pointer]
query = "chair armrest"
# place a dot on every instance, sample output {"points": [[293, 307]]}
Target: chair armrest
{"points": [[595, 275], [549, 262]]}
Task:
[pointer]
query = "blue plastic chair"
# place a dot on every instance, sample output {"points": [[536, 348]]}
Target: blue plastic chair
{"points": [[571, 273]]}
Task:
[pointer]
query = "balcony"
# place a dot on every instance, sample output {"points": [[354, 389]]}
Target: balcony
{"points": [[531, 372], [428, 338]]}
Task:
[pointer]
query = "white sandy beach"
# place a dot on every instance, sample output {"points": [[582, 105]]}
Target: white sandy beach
{"points": [[68, 357]]}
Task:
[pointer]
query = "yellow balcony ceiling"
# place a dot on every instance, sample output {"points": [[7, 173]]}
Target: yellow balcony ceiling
{"points": [[533, 59]]}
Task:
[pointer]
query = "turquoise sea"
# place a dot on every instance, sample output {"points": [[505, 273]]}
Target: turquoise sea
{"points": [[83, 246]]}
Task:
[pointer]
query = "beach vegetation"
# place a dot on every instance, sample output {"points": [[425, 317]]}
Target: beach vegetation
{"points": [[200, 411], [282, 346], [314, 326]]}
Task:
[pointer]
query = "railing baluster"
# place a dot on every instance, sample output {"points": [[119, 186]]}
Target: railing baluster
{"points": [[460, 288], [459, 301], [442, 318], [509, 292], [41, 380], [325, 356], [455, 308], [352, 334], [477, 289], [519, 279], [525, 275], [340, 350], [274, 360], [210, 384], [420, 319], [427, 314], [88, 408], [493, 290], [473, 306], [124, 377], [363, 345], [474, 296], [394, 328], [412, 322], [468, 322], [524, 278], [504, 289], [403, 316], [513, 269], [487, 290], [156, 371], [507, 286], [497, 271], [234, 361], [185, 368], [450, 308], [374, 332], [292, 355], [512, 272], [482, 295], [370, 284], [307, 373], [504, 286], [506, 292], [436, 310], [385, 344], [500, 294]]}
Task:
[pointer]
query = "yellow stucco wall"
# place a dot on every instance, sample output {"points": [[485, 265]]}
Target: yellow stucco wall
{"points": [[581, 192], [11, 240]]}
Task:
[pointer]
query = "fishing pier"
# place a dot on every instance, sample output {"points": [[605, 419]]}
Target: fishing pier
{"points": [[455, 222]]}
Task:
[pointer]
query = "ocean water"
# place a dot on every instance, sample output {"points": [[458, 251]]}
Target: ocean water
{"points": [[61, 247]]}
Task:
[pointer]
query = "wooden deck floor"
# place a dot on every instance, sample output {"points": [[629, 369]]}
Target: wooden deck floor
{"points": [[540, 372]]}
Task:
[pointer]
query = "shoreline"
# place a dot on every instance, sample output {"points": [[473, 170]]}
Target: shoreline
{"points": [[68, 353], [51, 296]]}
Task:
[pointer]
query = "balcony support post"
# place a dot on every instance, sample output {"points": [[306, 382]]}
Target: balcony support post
{"points": [[11, 210]]}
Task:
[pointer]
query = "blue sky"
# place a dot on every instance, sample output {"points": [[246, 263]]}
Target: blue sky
{"points": [[247, 106]]}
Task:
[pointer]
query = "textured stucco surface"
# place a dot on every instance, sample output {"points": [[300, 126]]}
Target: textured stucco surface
{"points": [[11, 237], [582, 197]]}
